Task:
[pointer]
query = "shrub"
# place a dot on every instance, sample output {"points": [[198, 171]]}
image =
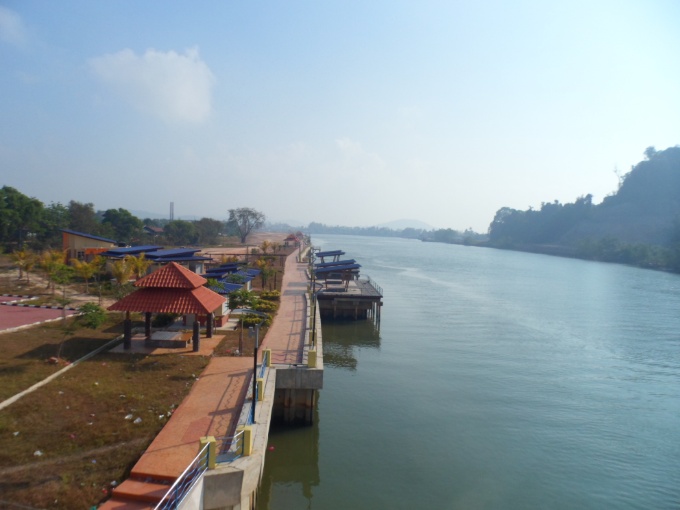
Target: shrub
{"points": [[252, 320], [92, 316], [272, 295], [264, 306]]}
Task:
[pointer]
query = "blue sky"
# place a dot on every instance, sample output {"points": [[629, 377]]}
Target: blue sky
{"points": [[345, 113]]}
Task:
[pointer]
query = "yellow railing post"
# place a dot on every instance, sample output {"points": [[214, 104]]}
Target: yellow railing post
{"points": [[267, 353], [212, 450], [260, 389], [311, 358], [246, 439]]}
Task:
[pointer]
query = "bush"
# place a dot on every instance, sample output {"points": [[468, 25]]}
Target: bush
{"points": [[92, 316], [272, 295], [164, 319], [264, 306], [253, 320]]}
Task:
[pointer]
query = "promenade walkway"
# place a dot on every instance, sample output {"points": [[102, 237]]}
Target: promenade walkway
{"points": [[214, 404], [286, 335]]}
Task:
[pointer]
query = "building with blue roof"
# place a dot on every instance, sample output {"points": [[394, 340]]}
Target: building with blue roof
{"points": [[83, 246]]}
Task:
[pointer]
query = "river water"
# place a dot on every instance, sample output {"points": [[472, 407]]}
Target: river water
{"points": [[498, 380]]}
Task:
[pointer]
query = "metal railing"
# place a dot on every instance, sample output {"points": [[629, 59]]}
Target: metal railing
{"points": [[229, 448], [263, 368], [373, 284], [192, 474]]}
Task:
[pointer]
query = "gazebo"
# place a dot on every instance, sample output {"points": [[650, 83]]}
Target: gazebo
{"points": [[170, 289]]}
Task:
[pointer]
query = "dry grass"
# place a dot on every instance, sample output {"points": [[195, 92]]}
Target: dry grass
{"points": [[83, 423]]}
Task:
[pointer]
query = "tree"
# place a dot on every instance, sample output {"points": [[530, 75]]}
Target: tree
{"points": [[19, 216], [124, 225], [122, 271], [241, 298], [266, 246], [55, 218], [50, 262], [245, 220], [84, 270], [82, 217], [139, 265], [180, 232], [23, 259], [207, 230]]}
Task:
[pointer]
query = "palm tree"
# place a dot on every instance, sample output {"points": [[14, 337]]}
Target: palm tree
{"points": [[22, 258], [140, 264], [85, 270], [265, 246], [50, 262], [121, 271]]}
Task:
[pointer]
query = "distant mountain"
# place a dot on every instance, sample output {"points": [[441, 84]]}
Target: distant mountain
{"points": [[402, 224]]}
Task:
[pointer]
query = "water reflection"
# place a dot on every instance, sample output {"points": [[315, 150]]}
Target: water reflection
{"points": [[291, 465], [341, 339]]}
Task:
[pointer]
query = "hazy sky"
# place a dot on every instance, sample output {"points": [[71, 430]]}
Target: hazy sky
{"points": [[341, 112]]}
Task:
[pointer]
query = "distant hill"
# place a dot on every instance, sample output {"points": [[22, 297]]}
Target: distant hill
{"points": [[644, 212]]}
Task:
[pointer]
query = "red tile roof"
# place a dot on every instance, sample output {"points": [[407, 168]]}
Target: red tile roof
{"points": [[172, 276], [170, 289], [158, 300]]}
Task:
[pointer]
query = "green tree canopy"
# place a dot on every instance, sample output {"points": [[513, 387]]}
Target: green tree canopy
{"points": [[207, 230], [82, 217], [19, 216], [124, 225], [180, 232]]}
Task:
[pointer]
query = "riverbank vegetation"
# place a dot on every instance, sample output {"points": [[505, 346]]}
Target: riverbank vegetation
{"points": [[639, 224]]}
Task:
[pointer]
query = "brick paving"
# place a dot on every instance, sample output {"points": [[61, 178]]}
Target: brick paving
{"points": [[286, 335]]}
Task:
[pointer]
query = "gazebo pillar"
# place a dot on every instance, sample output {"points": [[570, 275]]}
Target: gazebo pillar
{"points": [[196, 338], [209, 325], [147, 324], [127, 332]]}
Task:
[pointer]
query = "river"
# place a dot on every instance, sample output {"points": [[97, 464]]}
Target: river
{"points": [[498, 380]]}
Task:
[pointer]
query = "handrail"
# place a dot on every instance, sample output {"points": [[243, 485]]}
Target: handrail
{"points": [[178, 491], [230, 447], [263, 368], [373, 284]]}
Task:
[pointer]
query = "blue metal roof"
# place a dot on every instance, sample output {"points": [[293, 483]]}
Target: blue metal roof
{"points": [[226, 287], [89, 236], [224, 268], [174, 252], [337, 269], [329, 253], [189, 258], [131, 250], [338, 263]]}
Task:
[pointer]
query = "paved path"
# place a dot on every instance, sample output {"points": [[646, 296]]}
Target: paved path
{"points": [[214, 404], [17, 317], [286, 335]]}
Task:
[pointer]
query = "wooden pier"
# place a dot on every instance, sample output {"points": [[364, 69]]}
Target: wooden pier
{"points": [[358, 299]]}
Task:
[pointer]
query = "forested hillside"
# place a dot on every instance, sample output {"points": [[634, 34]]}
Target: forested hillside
{"points": [[639, 224]]}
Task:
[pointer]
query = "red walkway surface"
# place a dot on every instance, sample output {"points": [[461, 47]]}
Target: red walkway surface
{"points": [[12, 317], [214, 404], [286, 335]]}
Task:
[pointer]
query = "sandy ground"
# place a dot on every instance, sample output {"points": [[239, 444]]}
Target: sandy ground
{"points": [[254, 240]]}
